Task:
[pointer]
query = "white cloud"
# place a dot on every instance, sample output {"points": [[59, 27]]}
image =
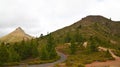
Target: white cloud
{"points": [[42, 16]]}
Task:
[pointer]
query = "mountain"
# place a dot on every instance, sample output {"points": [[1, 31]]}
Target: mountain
{"points": [[81, 40], [93, 25], [16, 36]]}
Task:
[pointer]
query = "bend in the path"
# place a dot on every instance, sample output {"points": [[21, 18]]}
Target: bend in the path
{"points": [[113, 55], [110, 51], [109, 63], [62, 59]]}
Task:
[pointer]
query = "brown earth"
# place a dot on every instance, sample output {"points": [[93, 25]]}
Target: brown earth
{"points": [[109, 63], [114, 63]]}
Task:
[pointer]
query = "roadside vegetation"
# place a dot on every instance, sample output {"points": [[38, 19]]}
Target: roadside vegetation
{"points": [[30, 52]]}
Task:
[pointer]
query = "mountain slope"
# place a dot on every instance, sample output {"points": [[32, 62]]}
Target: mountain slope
{"points": [[16, 36], [98, 26], [95, 31]]}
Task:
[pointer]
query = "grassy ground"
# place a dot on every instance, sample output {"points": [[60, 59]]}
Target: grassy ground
{"points": [[83, 56]]}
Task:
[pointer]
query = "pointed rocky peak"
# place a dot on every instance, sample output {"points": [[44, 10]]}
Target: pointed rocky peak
{"points": [[19, 29], [17, 35]]}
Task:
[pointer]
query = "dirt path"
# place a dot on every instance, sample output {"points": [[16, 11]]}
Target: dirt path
{"points": [[109, 63], [63, 58], [113, 55]]}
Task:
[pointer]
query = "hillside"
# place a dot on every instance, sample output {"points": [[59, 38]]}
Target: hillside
{"points": [[81, 41], [97, 26], [16, 36]]}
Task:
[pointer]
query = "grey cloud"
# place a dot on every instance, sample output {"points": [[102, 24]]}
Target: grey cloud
{"points": [[42, 16]]}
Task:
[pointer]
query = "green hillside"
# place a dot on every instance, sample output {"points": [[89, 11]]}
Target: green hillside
{"points": [[92, 26], [96, 31]]}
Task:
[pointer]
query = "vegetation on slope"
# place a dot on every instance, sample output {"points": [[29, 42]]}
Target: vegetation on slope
{"points": [[79, 55], [15, 53], [97, 31]]}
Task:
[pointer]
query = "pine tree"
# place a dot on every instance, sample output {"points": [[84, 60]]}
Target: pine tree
{"points": [[67, 38], [13, 55], [51, 47], [4, 55], [93, 44], [44, 53], [72, 47], [41, 35], [34, 48]]}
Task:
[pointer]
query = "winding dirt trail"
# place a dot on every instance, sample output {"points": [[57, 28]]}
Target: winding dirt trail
{"points": [[109, 63], [62, 58]]}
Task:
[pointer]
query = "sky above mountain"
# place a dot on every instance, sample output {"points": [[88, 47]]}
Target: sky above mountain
{"points": [[42, 16]]}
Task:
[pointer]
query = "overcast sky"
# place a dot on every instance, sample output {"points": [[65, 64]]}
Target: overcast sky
{"points": [[42, 16]]}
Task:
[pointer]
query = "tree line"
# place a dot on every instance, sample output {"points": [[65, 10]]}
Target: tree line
{"points": [[16, 52]]}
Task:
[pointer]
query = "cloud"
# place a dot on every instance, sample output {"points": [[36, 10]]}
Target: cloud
{"points": [[42, 16]]}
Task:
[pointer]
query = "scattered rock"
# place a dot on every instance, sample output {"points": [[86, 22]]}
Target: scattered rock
{"points": [[85, 44], [102, 49]]}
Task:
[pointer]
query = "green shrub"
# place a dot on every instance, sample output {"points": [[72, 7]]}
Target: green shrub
{"points": [[80, 65]]}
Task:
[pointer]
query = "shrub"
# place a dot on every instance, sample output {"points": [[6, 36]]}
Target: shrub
{"points": [[80, 65]]}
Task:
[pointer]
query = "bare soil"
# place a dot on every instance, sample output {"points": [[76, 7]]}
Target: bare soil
{"points": [[109, 63], [112, 63]]}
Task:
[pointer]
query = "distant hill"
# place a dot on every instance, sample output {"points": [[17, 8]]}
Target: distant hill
{"points": [[94, 25], [16, 36]]}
